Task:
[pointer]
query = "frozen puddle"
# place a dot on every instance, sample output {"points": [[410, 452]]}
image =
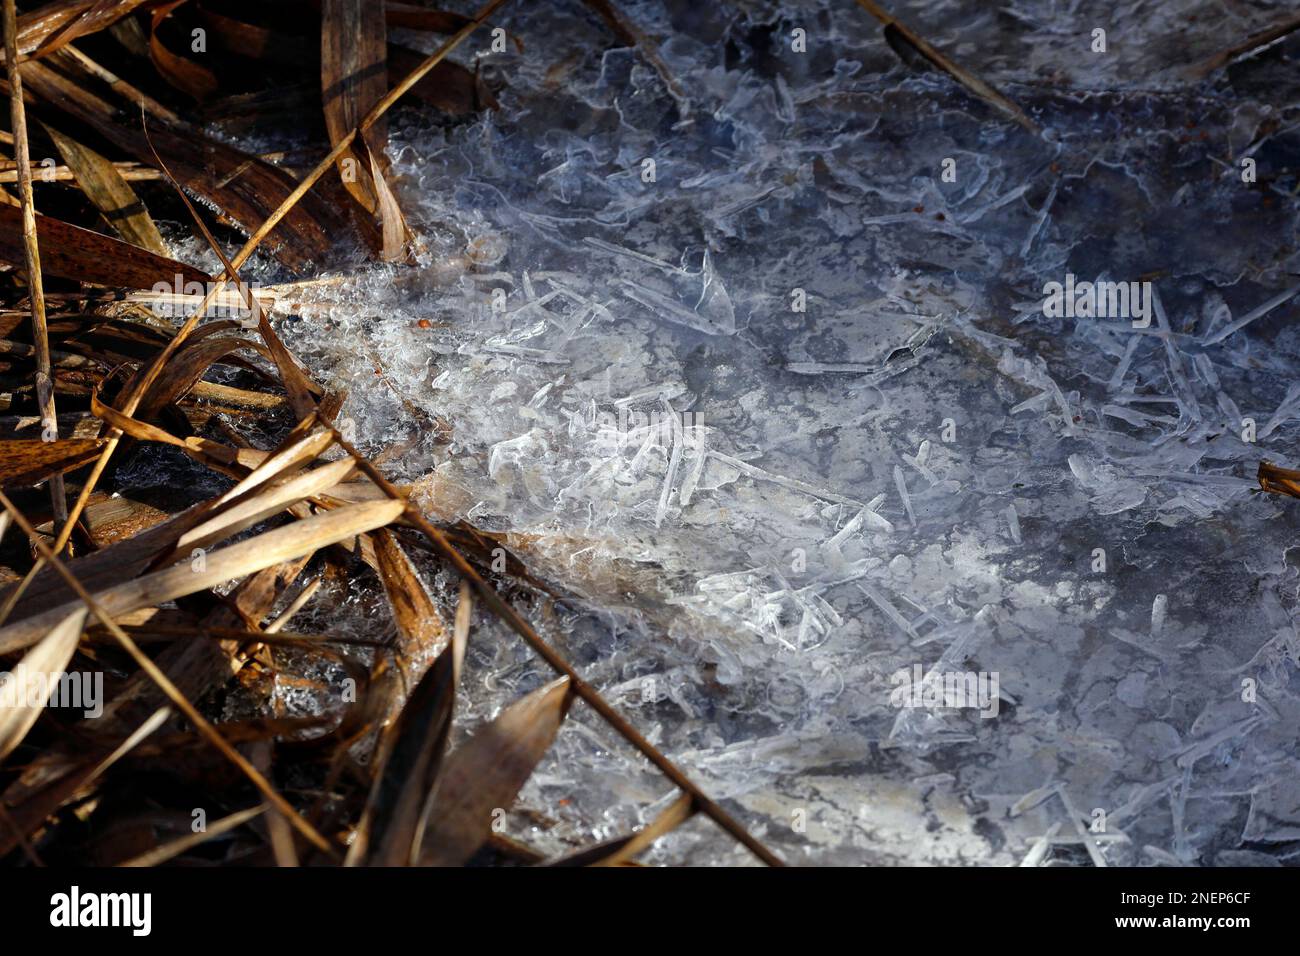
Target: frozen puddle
{"points": [[776, 404]]}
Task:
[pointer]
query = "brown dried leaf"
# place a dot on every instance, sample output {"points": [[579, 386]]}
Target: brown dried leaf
{"points": [[410, 758], [104, 186], [396, 235], [43, 663], [487, 772], [449, 86], [413, 755], [28, 461], [421, 632], [412, 17], [71, 252], [181, 72], [353, 79]]}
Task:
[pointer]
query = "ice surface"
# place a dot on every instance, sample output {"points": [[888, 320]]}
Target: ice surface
{"points": [[768, 513]]}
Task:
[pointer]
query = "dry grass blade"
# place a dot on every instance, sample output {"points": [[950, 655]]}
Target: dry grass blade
{"points": [[622, 850], [396, 235], [300, 448], [412, 756], [486, 773], [353, 69], [132, 94], [104, 186], [130, 172], [247, 513], [39, 669], [175, 848], [959, 73], [183, 73], [224, 564], [298, 603]]}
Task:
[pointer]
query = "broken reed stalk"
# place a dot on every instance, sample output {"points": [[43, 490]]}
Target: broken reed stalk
{"points": [[35, 289], [1278, 481], [979, 87], [1256, 43], [62, 174], [146, 664], [242, 256]]}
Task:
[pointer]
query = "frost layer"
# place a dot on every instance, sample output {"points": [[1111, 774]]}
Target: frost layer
{"points": [[767, 515]]}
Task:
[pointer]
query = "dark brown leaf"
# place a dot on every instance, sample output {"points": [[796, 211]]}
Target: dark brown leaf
{"points": [[54, 25], [354, 77], [181, 72], [244, 187], [486, 773], [28, 461], [410, 758], [71, 252]]}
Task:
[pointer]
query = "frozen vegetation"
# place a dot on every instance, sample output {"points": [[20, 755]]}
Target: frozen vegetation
{"points": [[756, 516]]}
